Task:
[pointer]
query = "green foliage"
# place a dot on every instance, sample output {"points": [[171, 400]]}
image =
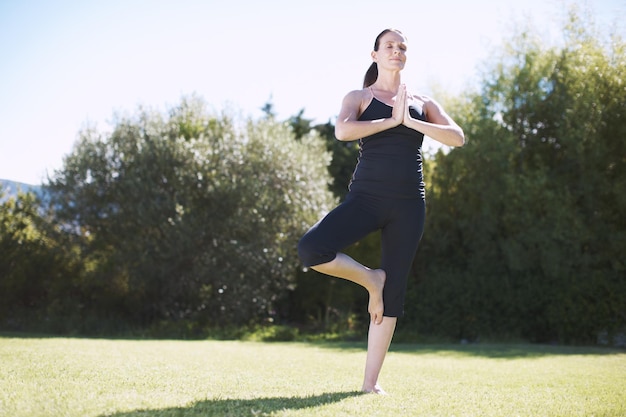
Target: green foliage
{"points": [[39, 267], [190, 215], [525, 234]]}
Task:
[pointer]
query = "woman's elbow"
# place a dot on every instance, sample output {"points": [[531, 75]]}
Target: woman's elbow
{"points": [[341, 133], [461, 138]]}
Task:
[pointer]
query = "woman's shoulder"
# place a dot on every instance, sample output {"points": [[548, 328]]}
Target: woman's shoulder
{"points": [[359, 95], [357, 100]]}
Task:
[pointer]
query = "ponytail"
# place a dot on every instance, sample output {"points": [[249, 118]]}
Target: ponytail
{"points": [[371, 75]]}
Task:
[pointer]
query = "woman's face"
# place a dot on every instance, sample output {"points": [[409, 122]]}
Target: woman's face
{"points": [[391, 53]]}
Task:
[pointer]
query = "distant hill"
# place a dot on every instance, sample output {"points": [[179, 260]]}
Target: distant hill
{"points": [[11, 188]]}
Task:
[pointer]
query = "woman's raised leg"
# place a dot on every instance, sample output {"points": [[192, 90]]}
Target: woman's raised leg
{"points": [[373, 280]]}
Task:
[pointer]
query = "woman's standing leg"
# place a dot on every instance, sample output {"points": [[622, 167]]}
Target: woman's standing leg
{"points": [[378, 341], [400, 238]]}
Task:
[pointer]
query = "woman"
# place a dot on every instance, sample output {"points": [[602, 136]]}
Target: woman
{"points": [[386, 191]]}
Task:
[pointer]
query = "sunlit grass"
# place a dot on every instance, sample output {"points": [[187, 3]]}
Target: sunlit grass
{"points": [[125, 378]]}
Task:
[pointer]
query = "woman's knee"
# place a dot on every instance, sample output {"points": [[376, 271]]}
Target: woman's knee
{"points": [[304, 247], [307, 248], [312, 252]]}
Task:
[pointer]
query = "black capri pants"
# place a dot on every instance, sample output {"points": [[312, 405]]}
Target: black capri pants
{"points": [[401, 222]]}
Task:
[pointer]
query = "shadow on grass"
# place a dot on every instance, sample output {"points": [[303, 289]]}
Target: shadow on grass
{"points": [[239, 407]]}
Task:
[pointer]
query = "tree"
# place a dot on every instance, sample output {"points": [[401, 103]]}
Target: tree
{"points": [[189, 215], [35, 263], [525, 234]]}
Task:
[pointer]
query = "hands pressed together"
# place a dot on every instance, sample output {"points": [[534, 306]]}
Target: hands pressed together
{"points": [[400, 112]]}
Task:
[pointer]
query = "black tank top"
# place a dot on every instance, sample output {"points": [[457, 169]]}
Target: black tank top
{"points": [[390, 162]]}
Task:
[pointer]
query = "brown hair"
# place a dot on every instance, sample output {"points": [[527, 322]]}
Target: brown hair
{"points": [[372, 72]]}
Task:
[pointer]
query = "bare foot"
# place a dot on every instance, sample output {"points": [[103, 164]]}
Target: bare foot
{"points": [[376, 306], [376, 389]]}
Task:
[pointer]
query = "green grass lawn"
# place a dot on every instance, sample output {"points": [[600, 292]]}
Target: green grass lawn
{"points": [[130, 378]]}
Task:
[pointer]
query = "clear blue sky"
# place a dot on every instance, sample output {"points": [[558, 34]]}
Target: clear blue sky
{"points": [[67, 63]]}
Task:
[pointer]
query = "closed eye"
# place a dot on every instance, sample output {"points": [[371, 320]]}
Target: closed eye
{"points": [[402, 46]]}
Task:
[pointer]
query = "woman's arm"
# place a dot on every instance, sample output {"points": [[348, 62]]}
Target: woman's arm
{"points": [[440, 125], [348, 127]]}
